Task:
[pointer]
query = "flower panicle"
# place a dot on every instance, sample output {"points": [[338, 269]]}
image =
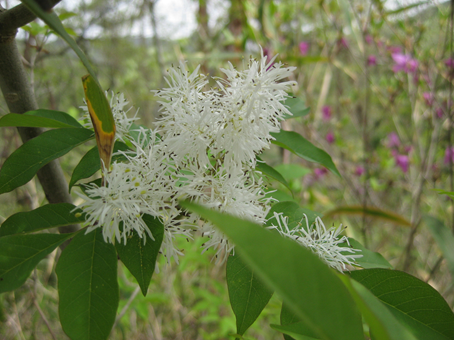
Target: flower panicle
{"points": [[324, 242]]}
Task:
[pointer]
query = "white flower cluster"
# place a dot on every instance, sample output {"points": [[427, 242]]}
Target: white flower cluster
{"points": [[325, 243], [203, 148]]}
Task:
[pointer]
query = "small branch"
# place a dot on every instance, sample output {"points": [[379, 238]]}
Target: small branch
{"points": [[40, 311], [18, 16], [126, 307], [18, 94]]}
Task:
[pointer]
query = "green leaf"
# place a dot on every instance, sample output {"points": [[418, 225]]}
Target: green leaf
{"points": [[51, 19], [45, 217], [67, 15], [88, 287], [292, 171], [310, 288], [90, 163], [444, 238], [301, 147], [383, 325], [295, 331], [297, 107], [413, 302], [22, 164], [280, 195], [272, 173], [19, 254], [370, 259], [445, 192], [101, 117], [248, 295], [40, 118], [292, 327], [373, 212], [294, 212], [140, 258]]}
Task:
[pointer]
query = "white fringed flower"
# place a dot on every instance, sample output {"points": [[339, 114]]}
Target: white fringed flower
{"points": [[252, 108], [239, 195], [234, 121], [118, 206], [321, 241], [186, 121]]}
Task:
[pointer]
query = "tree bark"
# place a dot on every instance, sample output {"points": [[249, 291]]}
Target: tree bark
{"points": [[19, 97]]}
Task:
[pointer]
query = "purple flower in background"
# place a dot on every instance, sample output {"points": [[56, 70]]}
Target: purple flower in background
{"points": [[304, 47], [369, 39], [449, 63], [371, 60], [393, 140], [402, 161], [320, 172], [342, 42], [403, 62], [326, 113], [330, 137], [449, 156], [359, 170], [429, 98], [439, 112]]}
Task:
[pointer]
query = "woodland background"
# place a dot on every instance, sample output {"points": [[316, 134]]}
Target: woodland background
{"points": [[377, 76]]}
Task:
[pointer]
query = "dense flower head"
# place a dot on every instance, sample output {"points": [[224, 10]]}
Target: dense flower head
{"points": [[235, 119], [241, 195], [204, 149], [117, 206], [326, 243]]}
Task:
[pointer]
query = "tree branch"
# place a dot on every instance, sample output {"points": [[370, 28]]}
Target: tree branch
{"points": [[19, 97], [18, 16]]}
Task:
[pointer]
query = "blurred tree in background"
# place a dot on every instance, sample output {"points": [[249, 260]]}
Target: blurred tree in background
{"points": [[377, 76]]}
